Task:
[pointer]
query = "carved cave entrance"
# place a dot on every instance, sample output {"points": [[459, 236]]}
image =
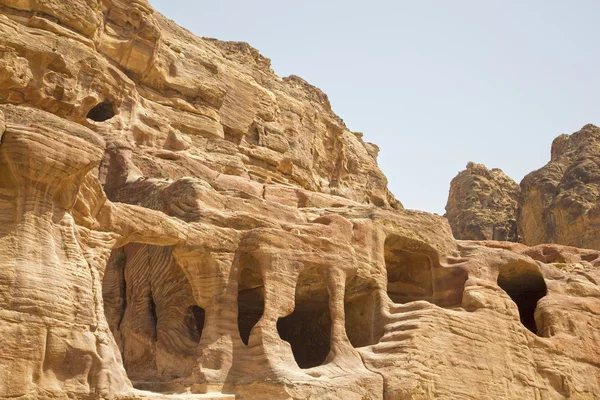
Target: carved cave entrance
{"points": [[525, 285], [251, 303], [152, 314], [411, 275], [308, 328]]}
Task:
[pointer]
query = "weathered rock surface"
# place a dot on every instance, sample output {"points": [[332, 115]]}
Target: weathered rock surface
{"points": [[560, 201], [175, 218], [482, 205]]}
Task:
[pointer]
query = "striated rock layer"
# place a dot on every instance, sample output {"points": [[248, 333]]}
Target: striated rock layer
{"points": [[482, 205], [178, 222]]}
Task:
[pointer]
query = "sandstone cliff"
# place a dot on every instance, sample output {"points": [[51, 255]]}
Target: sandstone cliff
{"points": [[482, 205], [176, 221]]}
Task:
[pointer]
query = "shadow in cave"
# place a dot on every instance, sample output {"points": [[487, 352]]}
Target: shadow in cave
{"points": [[102, 112], [525, 285], [251, 303], [308, 328]]}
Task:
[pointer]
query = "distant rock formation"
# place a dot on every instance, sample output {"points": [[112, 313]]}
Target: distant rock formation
{"points": [[559, 203], [482, 205]]}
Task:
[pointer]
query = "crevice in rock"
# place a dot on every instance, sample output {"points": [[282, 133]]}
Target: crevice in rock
{"points": [[102, 112], [308, 328], [525, 285], [251, 304], [153, 316]]}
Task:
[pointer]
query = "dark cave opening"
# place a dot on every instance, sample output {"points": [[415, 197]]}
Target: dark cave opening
{"points": [[251, 303], [308, 328], [525, 285], [102, 112]]}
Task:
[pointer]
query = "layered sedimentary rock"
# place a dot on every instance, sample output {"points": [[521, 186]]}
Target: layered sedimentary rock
{"points": [[560, 201], [178, 222], [482, 204]]}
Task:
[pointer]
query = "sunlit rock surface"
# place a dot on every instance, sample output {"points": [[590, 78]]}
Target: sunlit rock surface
{"points": [[178, 222]]}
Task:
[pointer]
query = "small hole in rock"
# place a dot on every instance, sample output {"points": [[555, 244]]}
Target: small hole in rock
{"points": [[153, 316], [102, 112]]}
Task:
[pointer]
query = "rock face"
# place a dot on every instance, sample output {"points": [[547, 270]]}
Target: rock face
{"points": [[560, 201], [174, 218], [482, 205]]}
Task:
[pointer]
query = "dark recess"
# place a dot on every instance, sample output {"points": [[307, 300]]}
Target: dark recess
{"points": [[308, 328], [251, 304], [525, 285], [102, 112], [197, 322]]}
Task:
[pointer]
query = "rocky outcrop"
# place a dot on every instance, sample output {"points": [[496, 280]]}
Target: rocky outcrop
{"points": [[174, 218], [482, 205], [560, 201]]}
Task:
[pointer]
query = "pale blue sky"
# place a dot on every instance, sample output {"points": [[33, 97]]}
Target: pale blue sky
{"points": [[434, 83]]}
